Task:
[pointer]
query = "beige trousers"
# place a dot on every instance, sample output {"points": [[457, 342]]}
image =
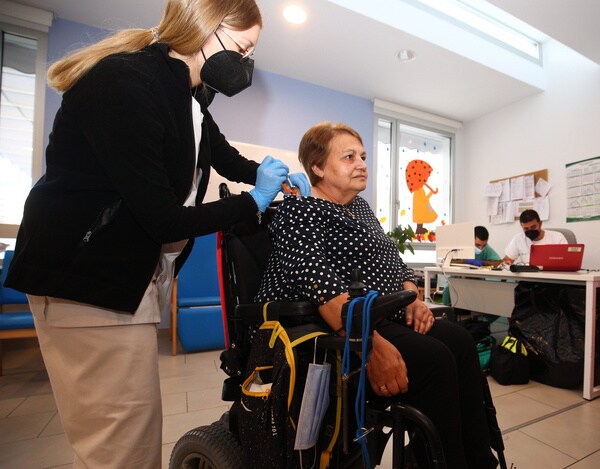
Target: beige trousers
{"points": [[105, 383]]}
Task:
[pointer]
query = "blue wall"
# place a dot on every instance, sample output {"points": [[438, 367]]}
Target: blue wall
{"points": [[275, 111]]}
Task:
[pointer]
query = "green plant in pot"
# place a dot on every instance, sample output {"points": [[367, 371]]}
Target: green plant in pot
{"points": [[402, 237]]}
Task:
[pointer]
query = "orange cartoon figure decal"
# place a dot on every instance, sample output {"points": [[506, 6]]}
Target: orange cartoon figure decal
{"points": [[417, 173]]}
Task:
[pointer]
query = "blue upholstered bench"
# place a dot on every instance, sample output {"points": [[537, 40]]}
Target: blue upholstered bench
{"points": [[12, 321], [13, 325], [196, 318]]}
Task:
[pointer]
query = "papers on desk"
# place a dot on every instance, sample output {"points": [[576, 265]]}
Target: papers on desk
{"points": [[462, 266]]}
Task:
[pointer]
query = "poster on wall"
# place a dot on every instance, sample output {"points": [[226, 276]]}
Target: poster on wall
{"points": [[583, 190]]}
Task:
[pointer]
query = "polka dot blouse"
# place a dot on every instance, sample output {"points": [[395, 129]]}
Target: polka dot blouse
{"points": [[317, 244]]}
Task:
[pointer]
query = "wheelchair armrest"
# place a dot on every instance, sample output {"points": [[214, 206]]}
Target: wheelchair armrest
{"points": [[383, 307], [289, 313], [336, 342]]}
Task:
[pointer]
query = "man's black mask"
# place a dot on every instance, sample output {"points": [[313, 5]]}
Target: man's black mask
{"points": [[532, 234]]}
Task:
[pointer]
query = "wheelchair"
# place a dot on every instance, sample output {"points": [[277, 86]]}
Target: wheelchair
{"points": [[243, 251]]}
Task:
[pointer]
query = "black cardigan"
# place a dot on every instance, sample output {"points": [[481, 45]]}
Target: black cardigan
{"points": [[120, 162]]}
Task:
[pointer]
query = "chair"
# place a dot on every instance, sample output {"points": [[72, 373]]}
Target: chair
{"points": [[196, 318], [13, 325], [245, 249], [568, 234], [245, 252]]}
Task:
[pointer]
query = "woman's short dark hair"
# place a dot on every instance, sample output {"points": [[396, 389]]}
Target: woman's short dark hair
{"points": [[529, 215], [314, 146], [482, 233]]}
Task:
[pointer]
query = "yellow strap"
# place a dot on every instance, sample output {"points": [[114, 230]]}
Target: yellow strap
{"points": [[306, 337], [279, 332], [265, 308], [326, 454]]}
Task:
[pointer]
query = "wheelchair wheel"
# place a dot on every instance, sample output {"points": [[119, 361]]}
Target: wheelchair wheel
{"points": [[209, 447]]}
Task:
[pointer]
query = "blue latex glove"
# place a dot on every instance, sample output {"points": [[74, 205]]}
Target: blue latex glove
{"points": [[269, 176], [301, 182]]}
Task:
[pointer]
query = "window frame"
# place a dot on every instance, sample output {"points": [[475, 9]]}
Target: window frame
{"points": [[40, 34], [442, 126]]}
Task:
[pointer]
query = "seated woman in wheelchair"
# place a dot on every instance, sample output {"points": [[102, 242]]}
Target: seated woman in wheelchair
{"points": [[318, 241]]}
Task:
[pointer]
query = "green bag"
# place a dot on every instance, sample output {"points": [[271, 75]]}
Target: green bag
{"points": [[484, 349]]}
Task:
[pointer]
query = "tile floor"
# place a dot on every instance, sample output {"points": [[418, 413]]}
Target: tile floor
{"points": [[543, 427]]}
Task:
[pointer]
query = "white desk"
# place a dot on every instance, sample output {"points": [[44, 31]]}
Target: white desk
{"points": [[590, 280]]}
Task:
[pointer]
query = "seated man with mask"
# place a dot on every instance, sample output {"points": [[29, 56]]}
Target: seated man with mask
{"points": [[517, 251]]}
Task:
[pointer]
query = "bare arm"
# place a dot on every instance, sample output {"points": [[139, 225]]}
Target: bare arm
{"points": [[507, 260], [387, 371]]}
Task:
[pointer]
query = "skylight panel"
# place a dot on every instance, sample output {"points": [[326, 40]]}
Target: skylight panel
{"points": [[465, 14]]}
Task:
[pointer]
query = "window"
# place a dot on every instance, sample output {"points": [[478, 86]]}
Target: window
{"points": [[17, 101], [413, 174], [23, 50], [489, 22]]}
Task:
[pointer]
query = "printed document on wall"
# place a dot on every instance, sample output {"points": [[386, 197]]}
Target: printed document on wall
{"points": [[542, 206], [542, 187], [492, 206], [505, 195], [528, 187], [493, 189], [516, 188], [583, 190]]}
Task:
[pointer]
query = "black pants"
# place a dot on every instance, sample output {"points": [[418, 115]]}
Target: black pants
{"points": [[445, 383]]}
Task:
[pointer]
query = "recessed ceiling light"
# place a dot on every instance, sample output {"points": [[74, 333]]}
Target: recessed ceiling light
{"points": [[405, 55], [294, 14]]}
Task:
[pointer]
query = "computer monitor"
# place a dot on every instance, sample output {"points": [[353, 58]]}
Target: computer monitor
{"points": [[455, 241]]}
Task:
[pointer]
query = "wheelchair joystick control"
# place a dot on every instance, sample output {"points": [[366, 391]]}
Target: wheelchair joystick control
{"points": [[356, 288]]}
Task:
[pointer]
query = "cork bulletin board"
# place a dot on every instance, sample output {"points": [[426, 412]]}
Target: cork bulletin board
{"points": [[509, 197]]}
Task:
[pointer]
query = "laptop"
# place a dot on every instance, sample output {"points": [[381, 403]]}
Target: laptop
{"points": [[567, 257]]}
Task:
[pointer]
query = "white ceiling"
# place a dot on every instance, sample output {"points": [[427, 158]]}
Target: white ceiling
{"points": [[351, 52]]}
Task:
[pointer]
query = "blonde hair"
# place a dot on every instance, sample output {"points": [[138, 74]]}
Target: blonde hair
{"points": [[315, 145], [185, 26]]}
